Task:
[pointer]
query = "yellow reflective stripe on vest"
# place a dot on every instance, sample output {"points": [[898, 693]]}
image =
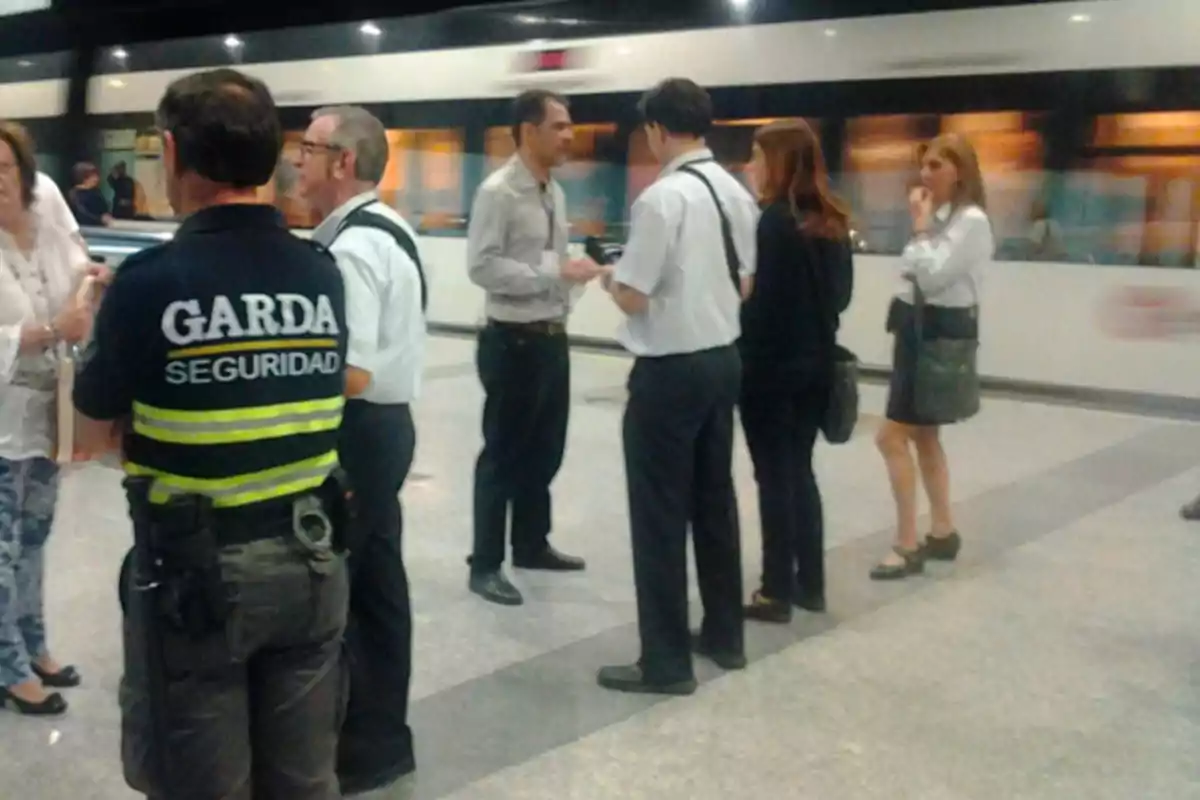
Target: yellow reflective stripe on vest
{"points": [[237, 425], [240, 490]]}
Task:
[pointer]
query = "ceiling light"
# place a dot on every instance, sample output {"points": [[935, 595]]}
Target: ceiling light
{"points": [[24, 62], [232, 42], [1080, 18], [120, 53], [369, 29], [530, 19], [739, 4]]}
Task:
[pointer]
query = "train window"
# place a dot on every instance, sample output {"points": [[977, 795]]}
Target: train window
{"points": [[591, 179], [1133, 192], [878, 163], [1011, 157], [731, 141], [423, 180]]}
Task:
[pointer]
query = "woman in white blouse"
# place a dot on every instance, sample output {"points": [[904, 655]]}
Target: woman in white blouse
{"points": [[41, 267], [951, 246]]}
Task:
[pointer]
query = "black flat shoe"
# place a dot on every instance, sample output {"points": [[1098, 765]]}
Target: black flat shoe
{"points": [[65, 678], [54, 705], [764, 609], [812, 603]]}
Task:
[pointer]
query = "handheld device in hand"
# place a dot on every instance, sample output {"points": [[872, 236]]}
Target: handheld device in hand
{"points": [[603, 252]]}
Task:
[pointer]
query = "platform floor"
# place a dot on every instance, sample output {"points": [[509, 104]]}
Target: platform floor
{"points": [[1059, 659]]}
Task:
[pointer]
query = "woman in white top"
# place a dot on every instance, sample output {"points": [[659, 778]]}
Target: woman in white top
{"points": [[951, 246], [41, 266]]}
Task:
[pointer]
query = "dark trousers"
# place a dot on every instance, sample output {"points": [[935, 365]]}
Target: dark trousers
{"points": [[376, 450], [526, 375], [678, 438], [780, 417], [251, 709]]}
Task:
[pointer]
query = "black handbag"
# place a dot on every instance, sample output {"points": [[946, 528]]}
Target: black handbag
{"points": [[840, 416], [946, 385]]}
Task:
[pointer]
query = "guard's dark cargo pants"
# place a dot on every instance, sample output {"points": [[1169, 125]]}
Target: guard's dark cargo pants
{"points": [[254, 710]]}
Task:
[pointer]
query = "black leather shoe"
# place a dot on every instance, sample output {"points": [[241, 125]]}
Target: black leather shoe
{"points": [[65, 678], [355, 783], [53, 706], [630, 679], [550, 560], [495, 588], [725, 659]]}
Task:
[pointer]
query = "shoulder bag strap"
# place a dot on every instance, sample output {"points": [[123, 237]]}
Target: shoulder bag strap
{"points": [[731, 256], [361, 218]]}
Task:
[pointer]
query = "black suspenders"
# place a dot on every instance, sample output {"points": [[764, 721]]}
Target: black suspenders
{"points": [[361, 218]]}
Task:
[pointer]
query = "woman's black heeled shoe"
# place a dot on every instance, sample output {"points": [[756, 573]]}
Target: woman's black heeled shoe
{"points": [[65, 678], [53, 706], [942, 548], [913, 564]]}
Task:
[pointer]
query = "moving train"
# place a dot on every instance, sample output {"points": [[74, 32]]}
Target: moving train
{"points": [[1086, 116]]}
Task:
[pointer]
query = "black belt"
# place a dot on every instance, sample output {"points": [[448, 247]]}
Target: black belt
{"points": [[544, 327], [257, 523]]}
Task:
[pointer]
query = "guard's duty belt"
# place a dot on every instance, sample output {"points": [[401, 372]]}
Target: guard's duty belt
{"points": [[543, 327]]}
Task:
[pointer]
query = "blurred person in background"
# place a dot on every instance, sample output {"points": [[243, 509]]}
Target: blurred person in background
{"points": [[124, 189], [87, 201], [943, 265], [803, 283], [41, 273]]}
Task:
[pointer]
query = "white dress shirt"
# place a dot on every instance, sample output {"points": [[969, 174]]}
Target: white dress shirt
{"points": [[676, 257], [383, 302], [32, 289], [949, 261]]}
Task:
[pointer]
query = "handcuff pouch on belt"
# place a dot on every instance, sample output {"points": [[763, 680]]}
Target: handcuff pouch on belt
{"points": [[320, 522], [194, 600]]}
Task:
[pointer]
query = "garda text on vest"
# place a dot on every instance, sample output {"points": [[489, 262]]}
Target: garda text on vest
{"points": [[250, 337]]}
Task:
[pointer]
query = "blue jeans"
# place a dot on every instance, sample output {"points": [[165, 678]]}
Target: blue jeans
{"points": [[28, 493]]}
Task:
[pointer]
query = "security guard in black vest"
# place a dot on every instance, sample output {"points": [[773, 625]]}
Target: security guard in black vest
{"points": [[221, 354]]}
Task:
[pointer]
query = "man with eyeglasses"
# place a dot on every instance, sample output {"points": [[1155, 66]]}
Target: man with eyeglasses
{"points": [[342, 160]]}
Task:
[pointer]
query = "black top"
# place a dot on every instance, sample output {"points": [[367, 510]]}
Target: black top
{"points": [[235, 312], [124, 191], [784, 322], [88, 205]]}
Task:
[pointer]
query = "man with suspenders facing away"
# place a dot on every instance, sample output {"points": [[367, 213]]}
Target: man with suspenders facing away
{"points": [[343, 157]]}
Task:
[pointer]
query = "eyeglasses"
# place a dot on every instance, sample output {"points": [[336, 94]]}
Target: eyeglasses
{"points": [[308, 148]]}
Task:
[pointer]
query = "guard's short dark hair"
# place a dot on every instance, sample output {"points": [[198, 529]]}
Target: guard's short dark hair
{"points": [[680, 106], [530, 106], [225, 126]]}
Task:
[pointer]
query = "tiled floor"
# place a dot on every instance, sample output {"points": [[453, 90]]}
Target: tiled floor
{"points": [[1057, 659]]}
